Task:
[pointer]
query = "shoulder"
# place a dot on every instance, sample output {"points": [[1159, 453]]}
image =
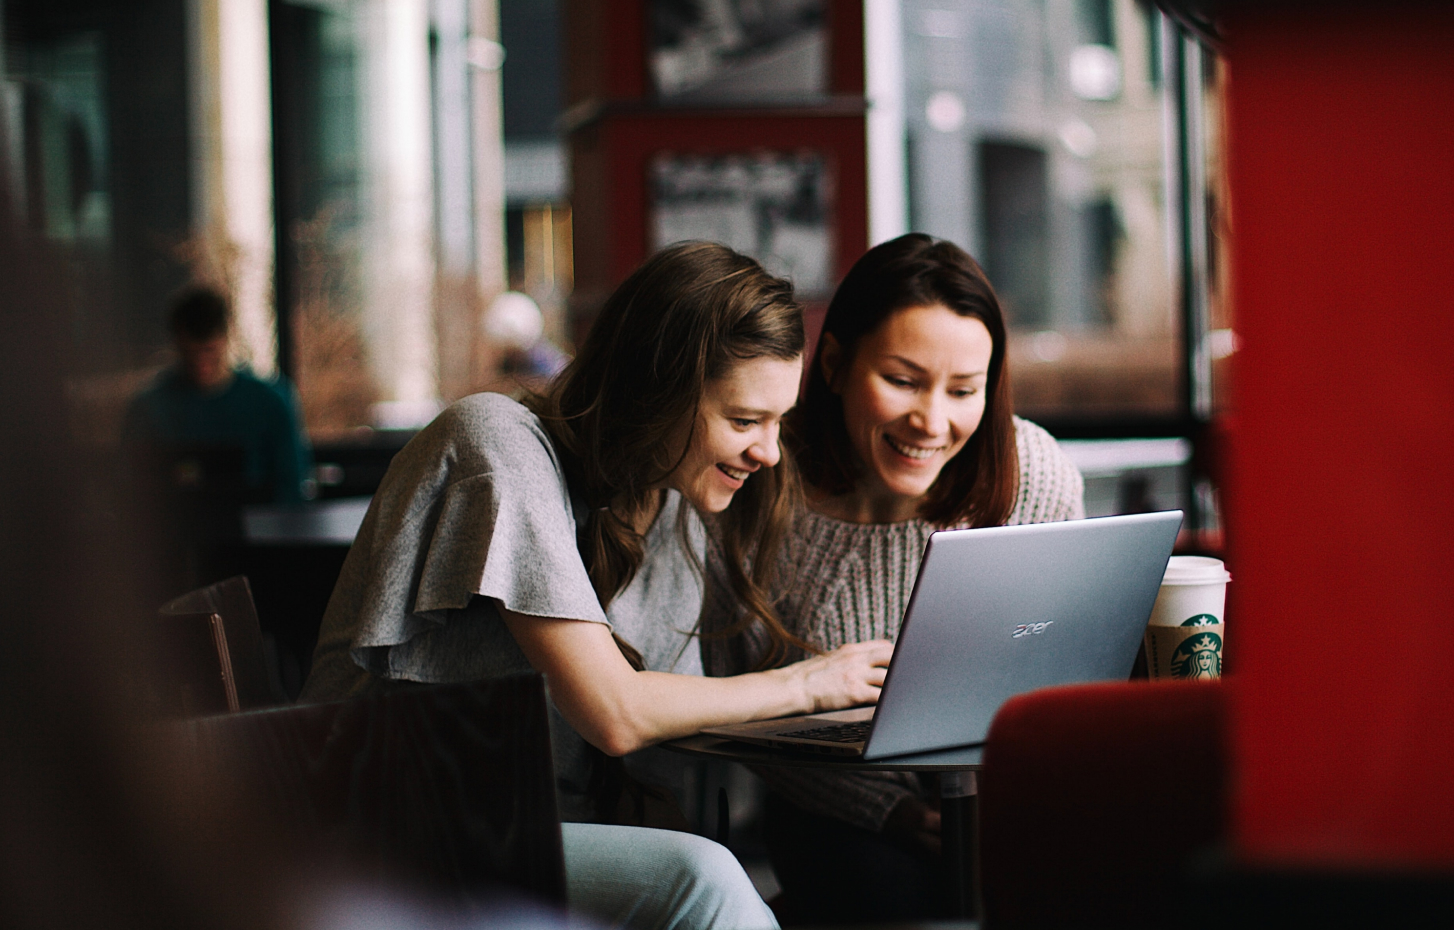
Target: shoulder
{"points": [[262, 392], [490, 409], [483, 435], [167, 382], [152, 403], [1051, 487], [1038, 450], [490, 424]]}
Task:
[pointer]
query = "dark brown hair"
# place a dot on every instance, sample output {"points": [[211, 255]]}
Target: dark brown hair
{"points": [[616, 413], [978, 486], [199, 313]]}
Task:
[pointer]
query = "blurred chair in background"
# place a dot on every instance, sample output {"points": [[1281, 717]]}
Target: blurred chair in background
{"points": [[217, 653]]}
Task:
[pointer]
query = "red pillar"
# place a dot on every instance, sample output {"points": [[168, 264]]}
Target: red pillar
{"points": [[1342, 491]]}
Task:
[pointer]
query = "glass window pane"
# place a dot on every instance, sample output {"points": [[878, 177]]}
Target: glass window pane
{"points": [[1036, 141]]}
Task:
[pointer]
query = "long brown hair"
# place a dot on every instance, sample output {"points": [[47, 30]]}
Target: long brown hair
{"points": [[978, 486], [617, 412]]}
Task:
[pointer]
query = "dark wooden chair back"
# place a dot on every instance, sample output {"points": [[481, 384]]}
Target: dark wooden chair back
{"points": [[215, 650], [449, 787], [196, 667]]}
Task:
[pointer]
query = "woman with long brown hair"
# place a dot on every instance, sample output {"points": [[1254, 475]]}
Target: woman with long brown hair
{"points": [[563, 535], [906, 426]]}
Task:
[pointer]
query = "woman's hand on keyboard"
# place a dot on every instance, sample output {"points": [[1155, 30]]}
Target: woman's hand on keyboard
{"points": [[848, 676]]}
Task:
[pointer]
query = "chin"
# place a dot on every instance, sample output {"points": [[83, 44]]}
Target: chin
{"points": [[910, 488]]}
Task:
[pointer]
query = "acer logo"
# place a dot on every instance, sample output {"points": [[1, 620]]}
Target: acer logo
{"points": [[1030, 629]]}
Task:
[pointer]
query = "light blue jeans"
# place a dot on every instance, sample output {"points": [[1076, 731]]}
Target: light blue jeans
{"points": [[649, 879]]}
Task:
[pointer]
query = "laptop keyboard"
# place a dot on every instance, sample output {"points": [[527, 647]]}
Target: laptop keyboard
{"points": [[855, 732]]}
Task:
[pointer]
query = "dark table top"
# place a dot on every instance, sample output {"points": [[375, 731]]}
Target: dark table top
{"points": [[332, 522], [963, 759]]}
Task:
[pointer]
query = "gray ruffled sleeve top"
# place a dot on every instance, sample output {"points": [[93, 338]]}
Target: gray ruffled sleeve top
{"points": [[475, 511]]}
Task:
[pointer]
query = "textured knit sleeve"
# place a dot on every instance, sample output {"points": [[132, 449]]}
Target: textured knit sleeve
{"points": [[1051, 487]]}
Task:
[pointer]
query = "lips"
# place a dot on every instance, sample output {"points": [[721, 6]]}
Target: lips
{"points": [[736, 474], [913, 452]]}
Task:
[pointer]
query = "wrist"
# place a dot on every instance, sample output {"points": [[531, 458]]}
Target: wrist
{"points": [[794, 681]]}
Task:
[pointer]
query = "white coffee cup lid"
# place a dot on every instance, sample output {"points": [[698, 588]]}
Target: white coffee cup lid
{"points": [[1195, 569]]}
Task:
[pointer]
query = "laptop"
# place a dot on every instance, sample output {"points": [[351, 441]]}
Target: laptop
{"points": [[996, 612]]}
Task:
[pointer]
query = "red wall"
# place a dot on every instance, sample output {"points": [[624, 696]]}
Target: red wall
{"points": [[1341, 498]]}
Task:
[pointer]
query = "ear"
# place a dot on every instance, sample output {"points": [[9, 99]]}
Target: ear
{"points": [[830, 360]]}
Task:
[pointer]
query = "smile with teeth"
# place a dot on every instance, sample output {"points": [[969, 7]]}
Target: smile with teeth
{"points": [[913, 452], [735, 474]]}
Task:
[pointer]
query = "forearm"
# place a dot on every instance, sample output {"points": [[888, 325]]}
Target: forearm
{"points": [[654, 706], [620, 710]]}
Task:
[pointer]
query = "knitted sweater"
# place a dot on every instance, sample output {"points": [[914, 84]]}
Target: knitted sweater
{"points": [[839, 582]]}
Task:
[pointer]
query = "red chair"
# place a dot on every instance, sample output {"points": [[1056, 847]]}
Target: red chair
{"points": [[1096, 800]]}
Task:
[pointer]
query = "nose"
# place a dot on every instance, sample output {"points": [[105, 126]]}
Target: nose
{"points": [[931, 415], [766, 451]]}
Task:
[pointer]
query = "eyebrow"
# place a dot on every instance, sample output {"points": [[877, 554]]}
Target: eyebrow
{"points": [[920, 368]]}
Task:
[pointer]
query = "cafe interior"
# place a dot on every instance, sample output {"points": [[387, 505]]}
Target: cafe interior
{"points": [[1221, 234]]}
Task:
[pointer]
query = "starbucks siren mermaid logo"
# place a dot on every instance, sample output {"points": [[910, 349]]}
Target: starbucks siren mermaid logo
{"points": [[1199, 656]]}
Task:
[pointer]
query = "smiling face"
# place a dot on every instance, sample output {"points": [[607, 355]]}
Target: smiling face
{"points": [[913, 393], [737, 430]]}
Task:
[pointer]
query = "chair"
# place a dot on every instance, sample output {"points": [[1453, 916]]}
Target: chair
{"points": [[215, 647], [446, 787], [1096, 802]]}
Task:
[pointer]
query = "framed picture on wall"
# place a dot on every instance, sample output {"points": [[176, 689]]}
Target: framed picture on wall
{"points": [[773, 206], [738, 51]]}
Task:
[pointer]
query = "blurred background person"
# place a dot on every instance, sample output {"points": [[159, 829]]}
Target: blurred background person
{"points": [[204, 402], [202, 441]]}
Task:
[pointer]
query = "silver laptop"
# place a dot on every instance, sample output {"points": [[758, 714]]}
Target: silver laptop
{"points": [[997, 612]]}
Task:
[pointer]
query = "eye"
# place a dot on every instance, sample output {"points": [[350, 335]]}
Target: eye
{"points": [[898, 381], [744, 422], [964, 392]]}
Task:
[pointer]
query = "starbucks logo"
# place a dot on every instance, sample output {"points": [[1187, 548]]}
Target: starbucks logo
{"points": [[1198, 656], [1201, 620]]}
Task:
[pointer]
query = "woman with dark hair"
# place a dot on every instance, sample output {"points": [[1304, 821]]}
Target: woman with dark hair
{"points": [[563, 535], [906, 426]]}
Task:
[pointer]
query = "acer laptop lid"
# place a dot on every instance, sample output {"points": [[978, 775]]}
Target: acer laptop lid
{"points": [[997, 612]]}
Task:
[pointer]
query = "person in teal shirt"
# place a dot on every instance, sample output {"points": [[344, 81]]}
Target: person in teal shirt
{"points": [[204, 421]]}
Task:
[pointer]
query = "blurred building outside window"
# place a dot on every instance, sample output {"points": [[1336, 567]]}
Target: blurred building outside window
{"points": [[1036, 140], [539, 244], [357, 143], [418, 168], [1044, 137]]}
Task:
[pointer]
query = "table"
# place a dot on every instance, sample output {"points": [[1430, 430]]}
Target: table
{"points": [[293, 554], [958, 792], [326, 522]]}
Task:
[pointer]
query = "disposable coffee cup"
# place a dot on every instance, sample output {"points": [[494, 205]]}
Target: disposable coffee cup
{"points": [[1184, 635]]}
